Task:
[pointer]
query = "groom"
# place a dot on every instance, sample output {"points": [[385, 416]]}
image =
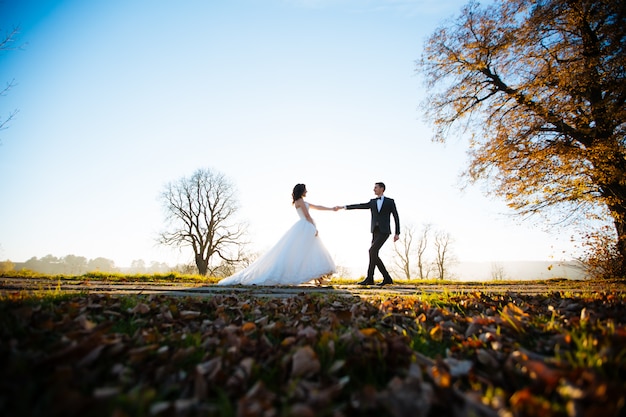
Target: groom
{"points": [[381, 208]]}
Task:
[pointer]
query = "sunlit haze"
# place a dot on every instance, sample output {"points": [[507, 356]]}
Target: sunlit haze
{"points": [[116, 98]]}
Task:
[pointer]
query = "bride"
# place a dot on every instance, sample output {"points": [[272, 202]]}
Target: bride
{"points": [[298, 257]]}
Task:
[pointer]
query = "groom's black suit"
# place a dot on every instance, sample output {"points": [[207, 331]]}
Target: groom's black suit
{"points": [[381, 229]]}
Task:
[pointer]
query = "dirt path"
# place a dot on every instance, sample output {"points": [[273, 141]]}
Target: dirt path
{"points": [[185, 290]]}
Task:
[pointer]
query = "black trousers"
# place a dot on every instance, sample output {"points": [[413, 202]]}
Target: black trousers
{"points": [[378, 240]]}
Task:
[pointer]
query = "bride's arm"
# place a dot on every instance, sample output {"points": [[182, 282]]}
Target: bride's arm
{"points": [[316, 207]]}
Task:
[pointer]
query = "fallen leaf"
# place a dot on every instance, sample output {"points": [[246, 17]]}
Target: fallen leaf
{"points": [[188, 315], [140, 308], [304, 362]]}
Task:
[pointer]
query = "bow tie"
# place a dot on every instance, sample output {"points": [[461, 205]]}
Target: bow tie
{"points": [[377, 198]]}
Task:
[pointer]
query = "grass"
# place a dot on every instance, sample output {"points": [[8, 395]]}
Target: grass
{"points": [[114, 277], [175, 277]]}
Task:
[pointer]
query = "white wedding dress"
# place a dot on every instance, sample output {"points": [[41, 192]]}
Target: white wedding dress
{"points": [[298, 257]]}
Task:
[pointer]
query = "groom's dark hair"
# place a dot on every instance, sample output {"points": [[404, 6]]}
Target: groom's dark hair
{"points": [[381, 185]]}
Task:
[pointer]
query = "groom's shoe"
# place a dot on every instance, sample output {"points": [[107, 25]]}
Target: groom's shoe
{"points": [[385, 282], [366, 281]]}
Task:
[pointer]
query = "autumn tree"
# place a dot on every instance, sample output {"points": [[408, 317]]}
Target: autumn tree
{"points": [[7, 266], [200, 212], [540, 85]]}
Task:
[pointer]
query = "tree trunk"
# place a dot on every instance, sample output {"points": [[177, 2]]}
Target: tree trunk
{"points": [[615, 193], [202, 265], [620, 228]]}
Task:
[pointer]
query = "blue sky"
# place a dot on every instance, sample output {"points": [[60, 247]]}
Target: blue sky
{"points": [[118, 97]]}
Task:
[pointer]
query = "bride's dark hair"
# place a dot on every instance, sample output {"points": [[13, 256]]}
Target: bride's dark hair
{"points": [[298, 190]]}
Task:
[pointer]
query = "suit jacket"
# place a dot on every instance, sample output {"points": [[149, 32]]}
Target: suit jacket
{"points": [[381, 219]]}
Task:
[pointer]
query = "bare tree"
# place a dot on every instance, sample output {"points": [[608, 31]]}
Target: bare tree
{"points": [[497, 272], [409, 249], [403, 250], [422, 243], [6, 44], [201, 213], [443, 255]]}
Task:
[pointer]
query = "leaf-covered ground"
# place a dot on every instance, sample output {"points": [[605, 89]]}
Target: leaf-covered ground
{"points": [[463, 354]]}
